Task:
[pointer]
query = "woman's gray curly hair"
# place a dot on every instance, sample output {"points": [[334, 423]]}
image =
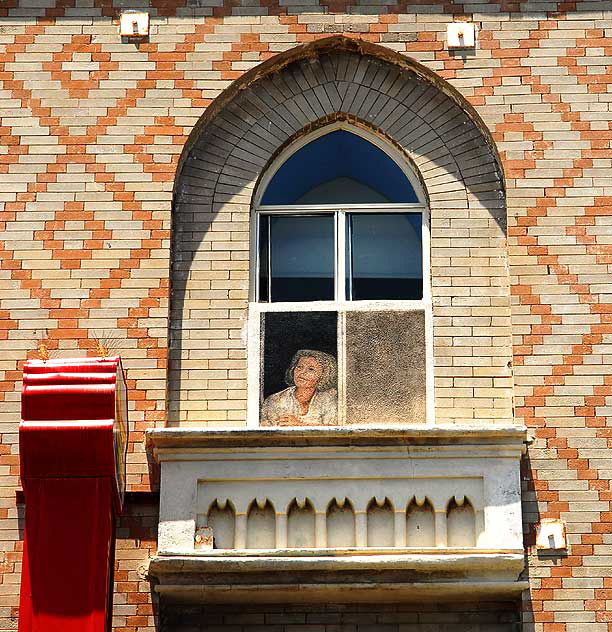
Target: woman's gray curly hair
{"points": [[329, 378]]}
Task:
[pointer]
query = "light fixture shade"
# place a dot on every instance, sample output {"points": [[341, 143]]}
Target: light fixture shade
{"points": [[134, 24], [461, 35]]}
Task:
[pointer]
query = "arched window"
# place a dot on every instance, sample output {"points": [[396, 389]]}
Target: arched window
{"points": [[338, 219], [339, 258]]}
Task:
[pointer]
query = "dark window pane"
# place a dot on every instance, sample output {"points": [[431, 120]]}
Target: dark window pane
{"points": [[348, 279], [339, 168], [301, 257], [264, 262], [385, 256]]}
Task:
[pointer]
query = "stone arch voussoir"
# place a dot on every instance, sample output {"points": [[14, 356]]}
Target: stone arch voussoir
{"points": [[413, 108]]}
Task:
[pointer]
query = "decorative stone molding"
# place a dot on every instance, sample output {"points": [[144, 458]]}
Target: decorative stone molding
{"points": [[318, 506]]}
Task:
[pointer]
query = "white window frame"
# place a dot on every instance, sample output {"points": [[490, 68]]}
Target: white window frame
{"points": [[340, 304]]}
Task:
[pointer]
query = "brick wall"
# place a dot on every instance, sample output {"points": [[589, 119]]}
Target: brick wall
{"points": [[435, 617], [402, 104], [135, 606], [91, 129]]}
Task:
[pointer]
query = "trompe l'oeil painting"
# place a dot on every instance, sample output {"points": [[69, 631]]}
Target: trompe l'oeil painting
{"points": [[380, 377], [311, 397]]}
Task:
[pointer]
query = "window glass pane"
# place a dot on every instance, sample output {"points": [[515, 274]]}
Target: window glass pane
{"points": [[301, 257], [385, 256], [264, 254], [342, 190], [339, 168]]}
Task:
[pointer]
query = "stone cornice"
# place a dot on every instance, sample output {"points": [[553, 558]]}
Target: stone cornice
{"points": [[344, 579]]}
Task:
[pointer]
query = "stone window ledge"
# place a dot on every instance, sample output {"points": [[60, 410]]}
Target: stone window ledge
{"points": [[164, 439]]}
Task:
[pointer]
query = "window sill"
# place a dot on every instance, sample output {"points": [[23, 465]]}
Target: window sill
{"points": [[165, 441]]}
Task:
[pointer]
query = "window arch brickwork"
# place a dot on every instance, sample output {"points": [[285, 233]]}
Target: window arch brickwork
{"points": [[460, 173]]}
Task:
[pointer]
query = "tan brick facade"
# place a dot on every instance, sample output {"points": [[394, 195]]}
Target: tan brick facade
{"points": [[91, 131], [456, 164]]}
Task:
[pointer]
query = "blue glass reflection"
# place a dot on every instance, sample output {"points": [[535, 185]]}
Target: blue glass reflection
{"points": [[339, 167]]}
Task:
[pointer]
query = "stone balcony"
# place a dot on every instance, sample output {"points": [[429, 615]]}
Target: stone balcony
{"points": [[351, 514]]}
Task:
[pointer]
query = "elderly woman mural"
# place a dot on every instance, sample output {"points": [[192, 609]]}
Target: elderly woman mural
{"points": [[312, 397]]}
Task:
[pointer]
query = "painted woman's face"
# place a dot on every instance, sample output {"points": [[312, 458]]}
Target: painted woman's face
{"points": [[307, 372]]}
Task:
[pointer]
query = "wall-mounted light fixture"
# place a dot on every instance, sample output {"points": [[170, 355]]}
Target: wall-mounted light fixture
{"points": [[550, 535], [134, 24], [461, 35]]}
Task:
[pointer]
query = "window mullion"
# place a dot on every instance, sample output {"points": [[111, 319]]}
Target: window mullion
{"points": [[340, 255]]}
